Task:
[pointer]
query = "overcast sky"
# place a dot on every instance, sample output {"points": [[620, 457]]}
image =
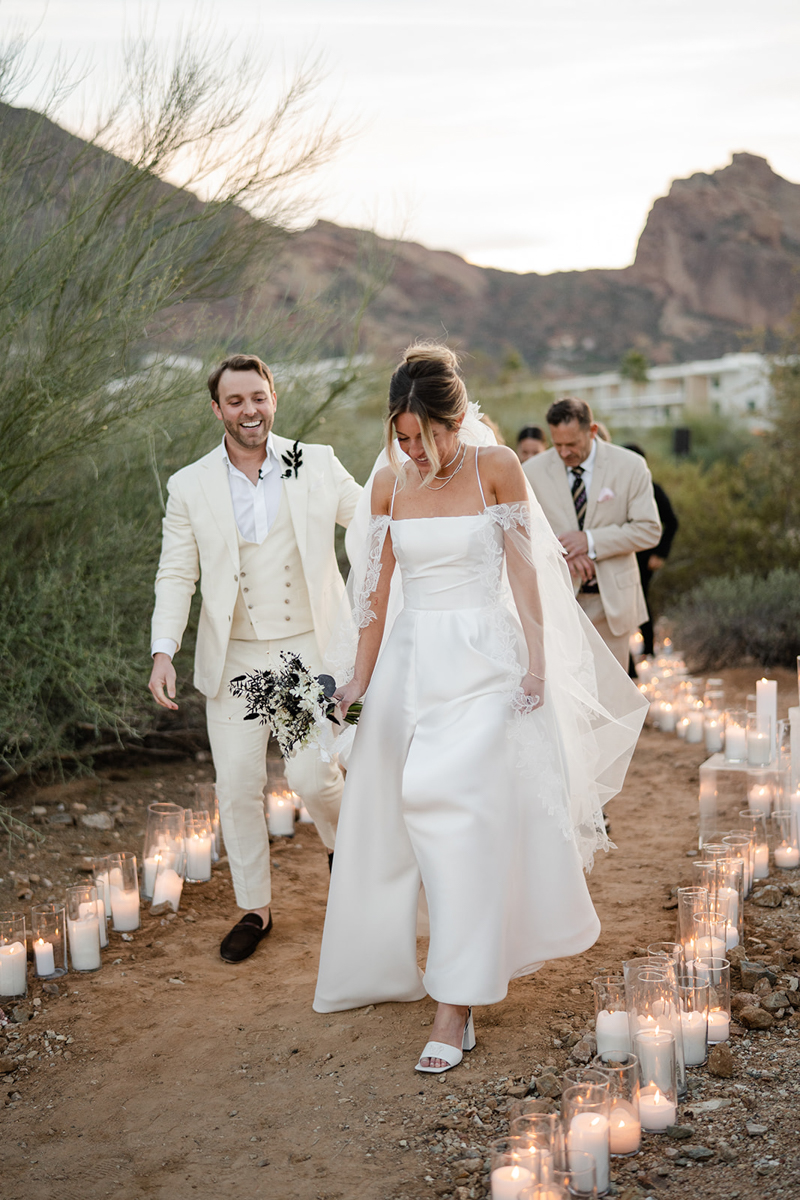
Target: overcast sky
{"points": [[523, 134]]}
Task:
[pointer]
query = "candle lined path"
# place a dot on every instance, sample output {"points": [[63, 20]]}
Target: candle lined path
{"points": [[515, 1038]]}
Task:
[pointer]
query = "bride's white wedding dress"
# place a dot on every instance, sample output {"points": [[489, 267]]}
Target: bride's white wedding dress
{"points": [[451, 788]]}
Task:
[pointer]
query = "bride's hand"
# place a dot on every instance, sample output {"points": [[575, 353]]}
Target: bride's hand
{"points": [[344, 696], [533, 690]]}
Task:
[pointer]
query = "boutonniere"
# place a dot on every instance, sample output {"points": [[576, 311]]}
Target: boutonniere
{"points": [[605, 494], [293, 461]]}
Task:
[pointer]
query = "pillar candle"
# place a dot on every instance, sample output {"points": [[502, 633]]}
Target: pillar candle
{"points": [[759, 748], [13, 969], [761, 870], [710, 947], [589, 1133], [667, 718], [735, 743], [508, 1182], [280, 815], [124, 909], [728, 902], [168, 888], [611, 1032], [759, 799], [794, 742], [719, 1025], [786, 856], [625, 1128], [198, 858], [44, 957], [767, 702], [84, 943], [694, 727], [656, 1111], [694, 1029], [713, 734]]}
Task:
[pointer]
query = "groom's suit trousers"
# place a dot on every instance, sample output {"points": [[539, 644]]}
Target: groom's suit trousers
{"points": [[239, 748]]}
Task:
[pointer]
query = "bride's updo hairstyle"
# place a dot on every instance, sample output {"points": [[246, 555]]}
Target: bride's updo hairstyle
{"points": [[428, 384]]}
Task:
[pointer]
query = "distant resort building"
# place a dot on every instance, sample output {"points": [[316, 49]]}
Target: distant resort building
{"points": [[734, 386]]}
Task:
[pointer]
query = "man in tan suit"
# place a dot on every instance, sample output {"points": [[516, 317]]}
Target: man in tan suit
{"points": [[255, 521], [599, 501]]}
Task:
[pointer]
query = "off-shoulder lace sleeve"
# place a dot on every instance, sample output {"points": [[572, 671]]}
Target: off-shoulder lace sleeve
{"points": [[363, 612]]}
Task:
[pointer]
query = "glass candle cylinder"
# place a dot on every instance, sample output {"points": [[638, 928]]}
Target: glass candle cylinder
{"points": [[693, 995], [198, 843], [694, 727], [99, 880], [785, 850], [163, 842], [658, 1092], [716, 973], [123, 884], [651, 992], [545, 1191], [13, 955], [83, 927], [541, 1132], [169, 883], [578, 1076], [760, 792], [102, 867], [724, 880], [625, 1130], [581, 1180], [760, 734], [743, 846], [714, 730], [49, 937], [514, 1165], [672, 950], [736, 735], [667, 716], [611, 1015], [206, 800], [280, 814], [757, 822], [690, 901], [585, 1111]]}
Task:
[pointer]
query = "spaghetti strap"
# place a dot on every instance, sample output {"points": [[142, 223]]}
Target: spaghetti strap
{"points": [[477, 472], [391, 506]]}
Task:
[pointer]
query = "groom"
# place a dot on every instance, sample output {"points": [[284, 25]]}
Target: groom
{"points": [[255, 521]]}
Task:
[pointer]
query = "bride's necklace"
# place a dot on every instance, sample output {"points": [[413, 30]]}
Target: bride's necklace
{"points": [[449, 477]]}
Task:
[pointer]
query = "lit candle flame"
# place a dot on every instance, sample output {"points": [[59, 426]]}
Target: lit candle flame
{"points": [[657, 1098]]}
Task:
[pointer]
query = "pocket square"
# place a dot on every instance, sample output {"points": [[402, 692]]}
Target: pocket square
{"points": [[605, 494]]}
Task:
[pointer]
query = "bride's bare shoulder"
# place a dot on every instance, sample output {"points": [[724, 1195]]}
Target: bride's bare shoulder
{"points": [[382, 488], [502, 471]]}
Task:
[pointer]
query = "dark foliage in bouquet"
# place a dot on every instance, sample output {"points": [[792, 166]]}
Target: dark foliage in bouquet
{"points": [[293, 701]]}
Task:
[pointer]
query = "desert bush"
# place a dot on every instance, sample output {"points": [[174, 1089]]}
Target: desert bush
{"points": [[724, 621]]}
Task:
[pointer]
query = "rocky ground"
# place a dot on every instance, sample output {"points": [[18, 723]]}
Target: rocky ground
{"points": [[169, 1073]]}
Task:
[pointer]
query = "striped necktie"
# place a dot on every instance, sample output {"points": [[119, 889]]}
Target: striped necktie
{"points": [[579, 495]]}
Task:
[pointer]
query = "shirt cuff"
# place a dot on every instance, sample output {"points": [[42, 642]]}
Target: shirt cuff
{"points": [[164, 646], [590, 544]]}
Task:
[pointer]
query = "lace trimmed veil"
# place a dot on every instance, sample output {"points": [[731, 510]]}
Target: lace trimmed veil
{"points": [[575, 750]]}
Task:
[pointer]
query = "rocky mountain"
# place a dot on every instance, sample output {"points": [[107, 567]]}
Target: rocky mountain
{"points": [[718, 258]]}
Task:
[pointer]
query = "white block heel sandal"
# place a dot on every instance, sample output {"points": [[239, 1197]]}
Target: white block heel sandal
{"points": [[451, 1054]]}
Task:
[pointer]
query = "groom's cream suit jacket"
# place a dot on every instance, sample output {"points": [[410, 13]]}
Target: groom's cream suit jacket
{"points": [[621, 514], [201, 540]]}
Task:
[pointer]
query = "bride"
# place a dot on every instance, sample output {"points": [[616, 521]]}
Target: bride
{"points": [[495, 725]]}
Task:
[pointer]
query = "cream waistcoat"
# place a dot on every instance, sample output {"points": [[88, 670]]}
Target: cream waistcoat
{"points": [[273, 600]]}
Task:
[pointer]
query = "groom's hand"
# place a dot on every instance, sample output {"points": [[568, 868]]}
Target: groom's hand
{"points": [[163, 677]]}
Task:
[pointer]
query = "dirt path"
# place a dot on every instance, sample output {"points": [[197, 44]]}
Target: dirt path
{"points": [[172, 1074]]}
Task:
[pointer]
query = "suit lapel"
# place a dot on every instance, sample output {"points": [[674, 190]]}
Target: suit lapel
{"points": [[558, 473], [296, 493], [217, 494], [598, 482]]}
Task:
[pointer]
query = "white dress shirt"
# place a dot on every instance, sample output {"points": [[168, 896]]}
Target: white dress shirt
{"points": [[255, 507], [588, 470]]}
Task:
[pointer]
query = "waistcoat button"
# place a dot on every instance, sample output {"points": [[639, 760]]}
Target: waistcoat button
{"points": [[288, 618]]}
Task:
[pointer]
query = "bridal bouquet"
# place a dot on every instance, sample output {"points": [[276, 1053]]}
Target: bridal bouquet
{"points": [[293, 701]]}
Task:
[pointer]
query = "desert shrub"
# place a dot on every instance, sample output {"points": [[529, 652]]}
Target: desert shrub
{"points": [[723, 621]]}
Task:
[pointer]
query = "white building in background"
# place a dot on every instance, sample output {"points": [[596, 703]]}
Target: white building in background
{"points": [[734, 386]]}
